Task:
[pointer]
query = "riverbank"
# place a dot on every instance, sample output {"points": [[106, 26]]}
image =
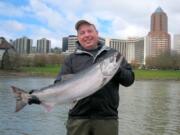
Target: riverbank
{"points": [[47, 71], [157, 74], [52, 71]]}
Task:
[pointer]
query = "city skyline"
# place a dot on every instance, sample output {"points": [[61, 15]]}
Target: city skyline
{"points": [[47, 19]]}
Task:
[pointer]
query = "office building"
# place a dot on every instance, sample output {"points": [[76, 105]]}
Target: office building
{"points": [[43, 46], [130, 54], [177, 43], [64, 44], [125, 47], [132, 48], [140, 51], [23, 45], [158, 39], [71, 43], [118, 44]]}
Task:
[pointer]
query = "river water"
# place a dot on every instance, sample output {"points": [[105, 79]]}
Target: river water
{"points": [[146, 108]]}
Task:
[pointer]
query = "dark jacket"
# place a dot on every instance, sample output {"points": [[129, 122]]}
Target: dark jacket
{"points": [[103, 103]]}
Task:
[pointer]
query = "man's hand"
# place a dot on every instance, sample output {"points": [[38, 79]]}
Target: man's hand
{"points": [[34, 100], [31, 91]]}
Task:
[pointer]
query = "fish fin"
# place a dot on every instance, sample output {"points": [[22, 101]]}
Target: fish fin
{"points": [[21, 98], [48, 106]]}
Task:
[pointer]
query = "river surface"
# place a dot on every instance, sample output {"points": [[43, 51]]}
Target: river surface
{"points": [[146, 108]]}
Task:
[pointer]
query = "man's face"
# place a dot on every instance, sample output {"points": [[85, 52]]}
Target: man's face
{"points": [[87, 36]]}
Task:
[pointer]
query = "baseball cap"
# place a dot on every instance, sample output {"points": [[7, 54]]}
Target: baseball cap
{"points": [[80, 22]]}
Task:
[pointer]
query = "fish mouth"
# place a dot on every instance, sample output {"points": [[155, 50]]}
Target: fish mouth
{"points": [[110, 65]]}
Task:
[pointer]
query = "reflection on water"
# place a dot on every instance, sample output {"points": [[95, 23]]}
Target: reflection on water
{"points": [[32, 120], [146, 108], [150, 108]]}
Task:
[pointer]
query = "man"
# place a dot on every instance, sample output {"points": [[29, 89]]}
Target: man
{"points": [[96, 114]]}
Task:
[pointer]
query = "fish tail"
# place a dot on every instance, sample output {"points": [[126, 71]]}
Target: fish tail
{"points": [[21, 98]]}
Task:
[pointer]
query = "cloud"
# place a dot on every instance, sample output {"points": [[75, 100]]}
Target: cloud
{"points": [[74, 6], [41, 32], [172, 7], [9, 10], [55, 19], [47, 15], [11, 29], [12, 25]]}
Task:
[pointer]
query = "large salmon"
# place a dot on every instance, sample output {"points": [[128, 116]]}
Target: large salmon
{"points": [[80, 85]]}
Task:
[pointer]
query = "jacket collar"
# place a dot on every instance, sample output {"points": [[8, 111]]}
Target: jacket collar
{"points": [[101, 47]]}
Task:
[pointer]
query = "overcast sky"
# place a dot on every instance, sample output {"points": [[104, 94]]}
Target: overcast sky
{"points": [[54, 19]]}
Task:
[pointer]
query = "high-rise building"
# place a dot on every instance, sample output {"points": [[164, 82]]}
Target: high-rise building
{"points": [[65, 44], [23, 45], [120, 45], [177, 43], [43, 46], [130, 54], [158, 39], [132, 48], [72, 43], [139, 51]]}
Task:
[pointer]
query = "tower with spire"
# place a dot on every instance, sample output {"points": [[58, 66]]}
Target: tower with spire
{"points": [[158, 39]]}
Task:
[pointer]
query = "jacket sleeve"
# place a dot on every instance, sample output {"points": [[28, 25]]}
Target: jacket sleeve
{"points": [[125, 76], [65, 69]]}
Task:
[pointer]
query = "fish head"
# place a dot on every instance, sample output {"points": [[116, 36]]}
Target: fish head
{"points": [[111, 64]]}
